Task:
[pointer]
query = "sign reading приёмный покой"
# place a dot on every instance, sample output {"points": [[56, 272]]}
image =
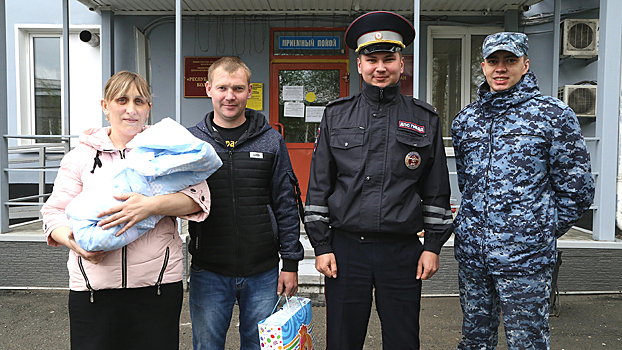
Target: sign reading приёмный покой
{"points": [[309, 43]]}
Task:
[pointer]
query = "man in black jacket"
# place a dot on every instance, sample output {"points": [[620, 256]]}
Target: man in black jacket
{"points": [[378, 177], [253, 218]]}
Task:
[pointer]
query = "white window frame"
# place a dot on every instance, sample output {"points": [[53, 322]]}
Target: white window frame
{"points": [[31, 74], [464, 34], [24, 62], [456, 32]]}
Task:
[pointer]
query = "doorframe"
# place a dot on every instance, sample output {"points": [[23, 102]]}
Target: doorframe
{"points": [[300, 153], [275, 67], [464, 34], [298, 58], [300, 61]]}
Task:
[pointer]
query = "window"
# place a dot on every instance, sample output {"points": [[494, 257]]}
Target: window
{"points": [[46, 88], [40, 74], [454, 72]]}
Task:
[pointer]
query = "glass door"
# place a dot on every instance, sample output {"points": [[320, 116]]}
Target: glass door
{"points": [[446, 81], [454, 71], [298, 96]]}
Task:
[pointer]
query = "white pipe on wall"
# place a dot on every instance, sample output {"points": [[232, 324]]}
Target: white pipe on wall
{"points": [[619, 176], [416, 46]]}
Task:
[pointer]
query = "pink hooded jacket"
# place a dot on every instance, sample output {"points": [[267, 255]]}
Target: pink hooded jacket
{"points": [[153, 259]]}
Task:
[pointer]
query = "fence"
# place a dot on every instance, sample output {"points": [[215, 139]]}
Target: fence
{"points": [[41, 158]]}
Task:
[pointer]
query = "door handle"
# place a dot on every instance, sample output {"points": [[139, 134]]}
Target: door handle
{"points": [[280, 126]]}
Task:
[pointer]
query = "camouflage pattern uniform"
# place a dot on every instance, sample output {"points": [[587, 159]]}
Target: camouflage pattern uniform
{"points": [[525, 177]]}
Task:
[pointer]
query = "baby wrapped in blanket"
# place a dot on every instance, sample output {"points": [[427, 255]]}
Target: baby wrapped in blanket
{"points": [[164, 159]]}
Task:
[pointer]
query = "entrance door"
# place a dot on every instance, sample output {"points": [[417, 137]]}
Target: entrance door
{"points": [[296, 107], [454, 71]]}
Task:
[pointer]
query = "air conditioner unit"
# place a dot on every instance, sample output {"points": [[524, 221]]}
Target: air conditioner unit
{"points": [[581, 98], [579, 38]]}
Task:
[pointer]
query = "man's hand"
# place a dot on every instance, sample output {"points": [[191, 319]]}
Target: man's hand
{"points": [[326, 264], [133, 210], [428, 265], [288, 283]]}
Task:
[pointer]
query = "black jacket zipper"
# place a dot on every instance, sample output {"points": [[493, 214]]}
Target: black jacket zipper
{"points": [[124, 267], [233, 205], [163, 269], [124, 249], [219, 141], [86, 279]]}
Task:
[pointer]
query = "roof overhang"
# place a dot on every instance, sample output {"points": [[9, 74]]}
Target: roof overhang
{"points": [[308, 7]]}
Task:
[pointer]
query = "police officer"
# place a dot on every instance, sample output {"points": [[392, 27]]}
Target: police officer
{"points": [[525, 177], [378, 178]]}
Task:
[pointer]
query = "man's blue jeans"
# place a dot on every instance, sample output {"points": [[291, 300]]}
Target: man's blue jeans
{"points": [[212, 297]]}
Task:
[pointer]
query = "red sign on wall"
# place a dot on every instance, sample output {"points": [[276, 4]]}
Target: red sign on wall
{"points": [[195, 75]]}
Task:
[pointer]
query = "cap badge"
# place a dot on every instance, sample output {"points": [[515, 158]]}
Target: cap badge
{"points": [[412, 160], [378, 35]]}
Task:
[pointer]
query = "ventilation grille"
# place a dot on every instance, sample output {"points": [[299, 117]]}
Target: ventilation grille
{"points": [[579, 38], [581, 98]]}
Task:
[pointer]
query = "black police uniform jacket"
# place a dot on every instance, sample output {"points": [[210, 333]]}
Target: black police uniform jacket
{"points": [[254, 214], [379, 167]]}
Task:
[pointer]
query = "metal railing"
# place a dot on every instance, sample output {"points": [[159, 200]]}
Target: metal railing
{"points": [[38, 158]]}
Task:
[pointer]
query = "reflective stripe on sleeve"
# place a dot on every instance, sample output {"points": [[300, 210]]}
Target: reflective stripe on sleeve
{"points": [[436, 221], [437, 210], [312, 218], [316, 208]]}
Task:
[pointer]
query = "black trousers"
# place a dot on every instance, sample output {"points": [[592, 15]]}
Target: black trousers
{"points": [[387, 264], [133, 318]]}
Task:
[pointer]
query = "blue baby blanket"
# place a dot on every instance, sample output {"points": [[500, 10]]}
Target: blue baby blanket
{"points": [[164, 159]]}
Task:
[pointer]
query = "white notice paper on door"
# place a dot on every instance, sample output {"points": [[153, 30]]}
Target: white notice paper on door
{"points": [[294, 109], [314, 114], [293, 93]]}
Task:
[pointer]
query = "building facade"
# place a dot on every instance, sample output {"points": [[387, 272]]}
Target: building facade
{"points": [[297, 54]]}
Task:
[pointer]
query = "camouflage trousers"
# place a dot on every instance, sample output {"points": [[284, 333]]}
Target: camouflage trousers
{"points": [[524, 302]]}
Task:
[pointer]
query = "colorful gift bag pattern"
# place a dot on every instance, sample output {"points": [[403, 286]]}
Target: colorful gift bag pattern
{"points": [[289, 328]]}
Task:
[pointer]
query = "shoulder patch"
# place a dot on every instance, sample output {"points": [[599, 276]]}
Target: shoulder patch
{"points": [[425, 105], [342, 99]]}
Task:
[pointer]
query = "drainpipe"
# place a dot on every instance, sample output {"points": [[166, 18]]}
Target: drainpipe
{"points": [[619, 176], [4, 126], [65, 130], [417, 49]]}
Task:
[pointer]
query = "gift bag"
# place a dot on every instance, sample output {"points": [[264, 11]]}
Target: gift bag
{"points": [[289, 328]]}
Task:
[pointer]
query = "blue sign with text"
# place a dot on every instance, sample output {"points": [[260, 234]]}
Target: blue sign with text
{"points": [[309, 43]]}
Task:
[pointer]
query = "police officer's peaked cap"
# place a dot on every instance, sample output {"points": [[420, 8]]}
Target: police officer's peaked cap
{"points": [[379, 31]]}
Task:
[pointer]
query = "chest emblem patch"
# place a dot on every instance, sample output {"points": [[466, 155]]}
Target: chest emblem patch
{"points": [[412, 160], [412, 126]]}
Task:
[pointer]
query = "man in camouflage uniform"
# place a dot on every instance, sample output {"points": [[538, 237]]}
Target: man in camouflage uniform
{"points": [[525, 177]]}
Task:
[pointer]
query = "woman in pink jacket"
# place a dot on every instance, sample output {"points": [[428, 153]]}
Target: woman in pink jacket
{"points": [[129, 298]]}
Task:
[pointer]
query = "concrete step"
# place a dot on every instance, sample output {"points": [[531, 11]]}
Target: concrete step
{"points": [[588, 265]]}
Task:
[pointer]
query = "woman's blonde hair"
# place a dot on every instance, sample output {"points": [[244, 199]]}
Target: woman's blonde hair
{"points": [[120, 83]]}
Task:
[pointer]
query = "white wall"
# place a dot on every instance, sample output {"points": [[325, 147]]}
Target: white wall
{"points": [[48, 13], [85, 85], [39, 13]]}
